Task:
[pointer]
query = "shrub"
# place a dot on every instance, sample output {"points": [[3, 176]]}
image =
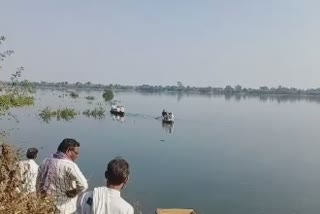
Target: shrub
{"points": [[11, 201], [107, 95]]}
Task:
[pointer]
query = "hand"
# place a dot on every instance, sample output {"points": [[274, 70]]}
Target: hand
{"points": [[72, 193]]}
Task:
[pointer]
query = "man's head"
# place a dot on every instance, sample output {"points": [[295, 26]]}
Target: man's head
{"points": [[32, 153], [117, 173], [70, 147]]}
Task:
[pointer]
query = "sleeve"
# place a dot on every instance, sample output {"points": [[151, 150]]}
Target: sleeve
{"points": [[130, 210], [83, 207], [77, 176], [38, 179]]}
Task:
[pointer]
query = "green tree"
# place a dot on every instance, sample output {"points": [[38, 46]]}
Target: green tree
{"points": [[108, 95]]}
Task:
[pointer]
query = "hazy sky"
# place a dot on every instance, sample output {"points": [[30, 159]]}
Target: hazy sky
{"points": [[214, 42]]}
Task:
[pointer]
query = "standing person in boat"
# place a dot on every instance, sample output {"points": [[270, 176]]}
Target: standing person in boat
{"points": [[164, 113], [107, 199], [29, 171], [60, 177]]}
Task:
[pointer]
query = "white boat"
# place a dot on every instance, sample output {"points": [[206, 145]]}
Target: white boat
{"points": [[117, 110], [167, 117]]}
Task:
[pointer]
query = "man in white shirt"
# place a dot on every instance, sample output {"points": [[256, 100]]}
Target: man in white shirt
{"points": [[29, 171], [107, 200], [60, 177]]}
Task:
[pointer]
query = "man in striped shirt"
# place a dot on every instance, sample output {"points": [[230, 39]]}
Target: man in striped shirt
{"points": [[60, 177]]}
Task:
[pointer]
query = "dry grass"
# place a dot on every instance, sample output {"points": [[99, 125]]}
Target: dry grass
{"points": [[11, 201]]}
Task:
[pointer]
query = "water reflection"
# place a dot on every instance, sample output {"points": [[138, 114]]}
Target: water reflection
{"points": [[167, 127], [273, 98], [119, 118], [279, 98]]}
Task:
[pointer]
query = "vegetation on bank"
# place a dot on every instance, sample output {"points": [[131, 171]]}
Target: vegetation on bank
{"points": [[108, 95], [7, 101], [97, 112], [64, 113], [16, 94]]}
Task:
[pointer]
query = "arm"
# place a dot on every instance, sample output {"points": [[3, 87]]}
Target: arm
{"points": [[130, 210], [81, 183], [38, 181]]}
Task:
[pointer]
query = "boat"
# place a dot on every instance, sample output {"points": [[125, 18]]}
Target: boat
{"points": [[175, 211], [117, 110], [167, 117]]}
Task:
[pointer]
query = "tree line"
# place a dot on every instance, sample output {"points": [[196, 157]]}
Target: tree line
{"points": [[179, 87]]}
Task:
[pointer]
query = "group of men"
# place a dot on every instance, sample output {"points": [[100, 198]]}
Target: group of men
{"points": [[60, 178]]}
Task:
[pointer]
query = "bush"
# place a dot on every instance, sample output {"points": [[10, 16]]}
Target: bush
{"points": [[74, 94], [90, 97], [65, 114], [11, 201], [107, 95]]}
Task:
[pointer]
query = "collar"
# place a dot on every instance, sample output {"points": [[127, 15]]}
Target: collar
{"points": [[113, 192]]}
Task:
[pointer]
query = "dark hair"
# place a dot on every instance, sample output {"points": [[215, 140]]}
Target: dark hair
{"points": [[66, 144], [118, 171], [32, 153]]}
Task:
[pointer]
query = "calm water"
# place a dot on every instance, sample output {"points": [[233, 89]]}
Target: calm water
{"points": [[223, 155]]}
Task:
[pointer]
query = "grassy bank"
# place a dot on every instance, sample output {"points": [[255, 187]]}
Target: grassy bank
{"points": [[11, 201]]}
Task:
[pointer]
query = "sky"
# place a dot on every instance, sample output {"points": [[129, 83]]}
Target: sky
{"points": [[200, 43]]}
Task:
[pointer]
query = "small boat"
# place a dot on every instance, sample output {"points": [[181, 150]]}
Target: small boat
{"points": [[117, 110], [175, 211], [167, 117]]}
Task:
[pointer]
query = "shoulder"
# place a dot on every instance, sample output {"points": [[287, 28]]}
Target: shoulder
{"points": [[126, 206], [66, 163], [22, 162], [34, 163]]}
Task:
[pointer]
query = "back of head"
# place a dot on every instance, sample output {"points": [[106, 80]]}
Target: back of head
{"points": [[117, 172], [32, 153], [67, 144]]}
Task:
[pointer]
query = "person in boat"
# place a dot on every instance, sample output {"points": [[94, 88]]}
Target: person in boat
{"points": [[122, 109], [164, 113], [107, 199]]}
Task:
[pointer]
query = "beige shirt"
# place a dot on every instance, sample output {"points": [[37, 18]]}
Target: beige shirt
{"points": [[65, 175], [28, 175]]}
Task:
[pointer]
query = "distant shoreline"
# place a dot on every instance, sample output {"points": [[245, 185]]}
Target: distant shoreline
{"points": [[180, 88]]}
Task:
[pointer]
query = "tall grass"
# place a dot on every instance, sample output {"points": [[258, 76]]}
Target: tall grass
{"points": [[11, 200], [97, 112]]}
